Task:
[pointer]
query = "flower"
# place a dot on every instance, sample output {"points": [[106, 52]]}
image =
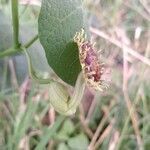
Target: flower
{"points": [[92, 68]]}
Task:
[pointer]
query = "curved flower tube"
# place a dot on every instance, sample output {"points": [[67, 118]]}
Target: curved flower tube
{"points": [[61, 100]]}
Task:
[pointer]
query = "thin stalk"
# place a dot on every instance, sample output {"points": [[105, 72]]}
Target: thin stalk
{"points": [[32, 72], [27, 45], [12, 51], [15, 22], [8, 52]]}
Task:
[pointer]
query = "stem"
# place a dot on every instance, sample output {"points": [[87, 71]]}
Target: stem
{"points": [[27, 45], [15, 21], [12, 51], [8, 52], [32, 72]]}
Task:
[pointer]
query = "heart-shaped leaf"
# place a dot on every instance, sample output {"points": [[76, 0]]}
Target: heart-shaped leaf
{"points": [[59, 20]]}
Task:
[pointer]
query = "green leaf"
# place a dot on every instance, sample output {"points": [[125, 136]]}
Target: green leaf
{"points": [[59, 20], [79, 142], [62, 146], [66, 130], [68, 127]]}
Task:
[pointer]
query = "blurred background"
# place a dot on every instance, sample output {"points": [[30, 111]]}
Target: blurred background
{"points": [[117, 119]]}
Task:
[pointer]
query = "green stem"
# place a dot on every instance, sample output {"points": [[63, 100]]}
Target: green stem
{"points": [[8, 52], [15, 21], [32, 72], [12, 51], [27, 45]]}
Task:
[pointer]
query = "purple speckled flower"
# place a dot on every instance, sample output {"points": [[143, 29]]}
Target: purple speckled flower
{"points": [[92, 68]]}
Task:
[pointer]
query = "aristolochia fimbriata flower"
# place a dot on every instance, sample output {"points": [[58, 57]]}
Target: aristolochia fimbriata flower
{"points": [[92, 68]]}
